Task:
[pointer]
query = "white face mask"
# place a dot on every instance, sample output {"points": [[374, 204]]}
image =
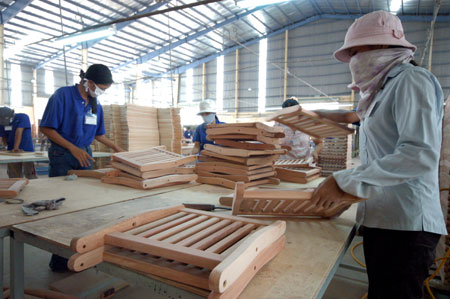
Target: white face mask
{"points": [[209, 118], [98, 91]]}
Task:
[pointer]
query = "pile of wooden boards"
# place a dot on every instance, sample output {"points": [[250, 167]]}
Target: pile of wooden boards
{"points": [[297, 174], [335, 155], [206, 250], [151, 168], [170, 131], [243, 152]]}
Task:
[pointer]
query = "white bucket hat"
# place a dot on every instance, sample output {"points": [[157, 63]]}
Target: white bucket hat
{"points": [[206, 106], [375, 28]]}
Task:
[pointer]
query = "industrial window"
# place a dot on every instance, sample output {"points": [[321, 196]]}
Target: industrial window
{"points": [[262, 75], [219, 82]]}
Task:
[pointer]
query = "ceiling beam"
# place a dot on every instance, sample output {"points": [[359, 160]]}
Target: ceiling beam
{"points": [[184, 68], [187, 39], [92, 43], [12, 10]]}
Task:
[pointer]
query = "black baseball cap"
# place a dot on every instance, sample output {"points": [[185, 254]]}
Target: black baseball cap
{"points": [[6, 115], [99, 73]]}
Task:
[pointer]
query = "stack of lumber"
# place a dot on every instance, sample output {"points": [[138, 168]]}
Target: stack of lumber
{"points": [[151, 168], [170, 132], [300, 175], [139, 127], [243, 152], [335, 155], [205, 250]]}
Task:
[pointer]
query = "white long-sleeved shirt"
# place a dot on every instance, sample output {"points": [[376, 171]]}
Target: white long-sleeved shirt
{"points": [[400, 147]]}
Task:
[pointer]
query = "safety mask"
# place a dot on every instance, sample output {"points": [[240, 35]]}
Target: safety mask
{"points": [[96, 93], [209, 118]]}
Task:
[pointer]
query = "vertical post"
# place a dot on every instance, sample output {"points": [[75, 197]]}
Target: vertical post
{"points": [[430, 54], [34, 97], [236, 85], [16, 268], [203, 81], [84, 58], [139, 84], [2, 67], [286, 44], [178, 89]]}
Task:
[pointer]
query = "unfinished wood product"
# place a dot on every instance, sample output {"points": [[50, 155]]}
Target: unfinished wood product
{"points": [[257, 125], [298, 163], [244, 161], [309, 123], [279, 202], [236, 152], [232, 130], [152, 159], [10, 188], [95, 173], [231, 184], [298, 175], [170, 131], [335, 155], [202, 249], [211, 161], [153, 173], [238, 178], [267, 140], [231, 170], [246, 145], [163, 181]]}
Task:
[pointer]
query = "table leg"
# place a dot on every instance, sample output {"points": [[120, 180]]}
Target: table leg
{"points": [[4, 232], [17, 268]]}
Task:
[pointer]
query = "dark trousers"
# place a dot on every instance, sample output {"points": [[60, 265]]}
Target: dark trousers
{"points": [[398, 262], [61, 161]]}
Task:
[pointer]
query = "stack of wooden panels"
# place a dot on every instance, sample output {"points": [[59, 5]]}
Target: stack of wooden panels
{"points": [[298, 163], [243, 152], [300, 175], [309, 123], [151, 168], [205, 250], [170, 132], [335, 155], [139, 127]]}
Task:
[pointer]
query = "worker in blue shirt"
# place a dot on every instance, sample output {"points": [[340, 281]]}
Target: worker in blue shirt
{"points": [[72, 119], [15, 130], [208, 113]]}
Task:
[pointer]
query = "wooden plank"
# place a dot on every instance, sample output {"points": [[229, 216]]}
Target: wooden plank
{"points": [[246, 145], [208, 161], [231, 130], [298, 172], [10, 188], [151, 183], [154, 173], [231, 184], [161, 228], [232, 170], [232, 238], [237, 178], [257, 125], [289, 177], [264, 139], [189, 241], [96, 173], [175, 252], [242, 152], [243, 161]]}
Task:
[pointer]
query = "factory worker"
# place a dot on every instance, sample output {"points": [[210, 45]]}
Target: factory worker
{"points": [[15, 130], [400, 110], [208, 113]]}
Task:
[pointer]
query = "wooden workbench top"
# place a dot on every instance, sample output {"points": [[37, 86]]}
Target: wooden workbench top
{"points": [[37, 156], [313, 245], [81, 194]]}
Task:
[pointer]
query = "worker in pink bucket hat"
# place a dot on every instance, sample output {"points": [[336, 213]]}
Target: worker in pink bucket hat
{"points": [[400, 113]]}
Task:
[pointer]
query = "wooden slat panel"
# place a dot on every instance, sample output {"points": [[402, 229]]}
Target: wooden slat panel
{"points": [[204, 233], [179, 228], [217, 236], [231, 239], [153, 224]]}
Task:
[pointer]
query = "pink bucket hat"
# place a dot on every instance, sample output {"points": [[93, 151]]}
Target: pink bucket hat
{"points": [[376, 28]]}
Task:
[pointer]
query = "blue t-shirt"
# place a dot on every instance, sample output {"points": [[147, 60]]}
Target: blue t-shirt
{"points": [[200, 134], [20, 120], [67, 114]]}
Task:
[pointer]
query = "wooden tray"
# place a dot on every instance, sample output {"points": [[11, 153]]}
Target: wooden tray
{"points": [[144, 184], [309, 123], [279, 202], [95, 173], [236, 152], [152, 159], [232, 184], [202, 249], [10, 188], [298, 175]]}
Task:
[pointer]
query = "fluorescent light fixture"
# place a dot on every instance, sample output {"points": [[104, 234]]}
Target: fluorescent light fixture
{"points": [[86, 35], [395, 6], [256, 3]]}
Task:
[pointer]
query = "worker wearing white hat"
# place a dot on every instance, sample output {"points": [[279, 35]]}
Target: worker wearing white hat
{"points": [[208, 113]]}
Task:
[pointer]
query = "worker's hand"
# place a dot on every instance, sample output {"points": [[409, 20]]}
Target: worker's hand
{"points": [[16, 150], [330, 197], [118, 149], [82, 156]]}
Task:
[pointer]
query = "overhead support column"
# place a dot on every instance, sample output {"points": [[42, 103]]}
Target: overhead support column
{"points": [[2, 67], [203, 81], [139, 85], [236, 85], [34, 98], [84, 57], [178, 84], [286, 45]]}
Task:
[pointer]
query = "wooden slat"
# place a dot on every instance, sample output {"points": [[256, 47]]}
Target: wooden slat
{"points": [[179, 228], [217, 236], [236, 152], [204, 233], [246, 145], [231, 239], [161, 228], [153, 224], [186, 233]]}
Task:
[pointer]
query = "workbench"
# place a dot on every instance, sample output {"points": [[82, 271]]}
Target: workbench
{"points": [[303, 269], [81, 194], [37, 156]]}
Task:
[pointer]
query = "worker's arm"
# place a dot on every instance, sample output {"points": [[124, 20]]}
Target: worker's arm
{"points": [[196, 148], [319, 146], [17, 140], [103, 139], [82, 156], [340, 116]]}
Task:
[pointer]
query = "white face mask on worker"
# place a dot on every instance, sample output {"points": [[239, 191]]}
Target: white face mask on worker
{"points": [[209, 118], [98, 91]]}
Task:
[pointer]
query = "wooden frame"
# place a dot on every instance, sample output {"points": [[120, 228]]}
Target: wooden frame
{"points": [[10, 188], [279, 202], [232, 184], [236, 177], [309, 123], [145, 184], [241, 160], [257, 125], [152, 159], [153, 173], [236, 152], [260, 138], [297, 175], [95, 173], [299, 163], [202, 249], [246, 145]]}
